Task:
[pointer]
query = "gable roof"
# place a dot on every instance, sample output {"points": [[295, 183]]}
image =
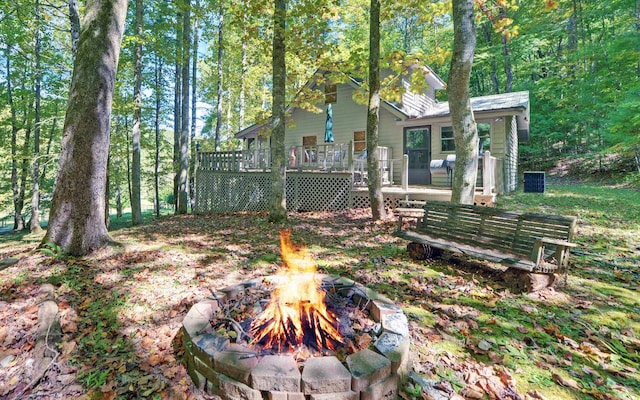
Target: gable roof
{"points": [[433, 80]]}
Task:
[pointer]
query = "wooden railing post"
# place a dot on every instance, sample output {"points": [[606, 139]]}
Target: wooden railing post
{"points": [[487, 174], [405, 172]]}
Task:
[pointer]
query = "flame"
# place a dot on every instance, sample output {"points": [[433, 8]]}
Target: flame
{"points": [[296, 313]]}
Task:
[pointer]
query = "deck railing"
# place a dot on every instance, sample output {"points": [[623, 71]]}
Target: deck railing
{"points": [[323, 157], [335, 157]]}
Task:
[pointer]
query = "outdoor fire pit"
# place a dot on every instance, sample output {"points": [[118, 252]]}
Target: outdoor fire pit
{"points": [[297, 335]]}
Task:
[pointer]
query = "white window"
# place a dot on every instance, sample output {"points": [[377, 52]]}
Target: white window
{"points": [[448, 144]]}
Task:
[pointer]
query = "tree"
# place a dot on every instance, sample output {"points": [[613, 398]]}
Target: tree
{"points": [[464, 125], [373, 113], [136, 206], [77, 216], [34, 223], [183, 138], [18, 201], [220, 73], [278, 209], [74, 20]]}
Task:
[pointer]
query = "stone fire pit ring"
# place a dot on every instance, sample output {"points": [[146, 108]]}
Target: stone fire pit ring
{"points": [[233, 371]]}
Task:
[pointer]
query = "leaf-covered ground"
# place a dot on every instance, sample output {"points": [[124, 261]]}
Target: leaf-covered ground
{"points": [[122, 307]]}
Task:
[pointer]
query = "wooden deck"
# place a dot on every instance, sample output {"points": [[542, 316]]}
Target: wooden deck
{"points": [[410, 193]]}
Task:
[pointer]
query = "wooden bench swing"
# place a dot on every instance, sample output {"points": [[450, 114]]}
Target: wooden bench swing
{"points": [[534, 246]]}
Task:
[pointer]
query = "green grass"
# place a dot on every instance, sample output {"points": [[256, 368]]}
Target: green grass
{"points": [[592, 324]]}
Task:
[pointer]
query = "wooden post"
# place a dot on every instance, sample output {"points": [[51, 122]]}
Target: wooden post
{"points": [[405, 172], [350, 156], [487, 174]]}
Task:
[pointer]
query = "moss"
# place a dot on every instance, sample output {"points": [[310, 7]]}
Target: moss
{"points": [[423, 316]]}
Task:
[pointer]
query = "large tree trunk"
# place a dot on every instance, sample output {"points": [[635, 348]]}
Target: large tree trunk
{"points": [[373, 114], [77, 217], [464, 125], [183, 171], [136, 205], [278, 209]]}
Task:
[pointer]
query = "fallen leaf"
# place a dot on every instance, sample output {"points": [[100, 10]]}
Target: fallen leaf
{"points": [[570, 342], [146, 343], [154, 359], [363, 341], [472, 392], [533, 394], [566, 382]]}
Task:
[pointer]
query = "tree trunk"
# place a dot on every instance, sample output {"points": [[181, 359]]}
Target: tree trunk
{"points": [[487, 30], [52, 132], [508, 70], [194, 101], [74, 20], [34, 223], [464, 125], [177, 111], [278, 209], [77, 217], [243, 73], [136, 205], [18, 219], [220, 74], [24, 173], [373, 114], [117, 173], [128, 174], [156, 167], [183, 171]]}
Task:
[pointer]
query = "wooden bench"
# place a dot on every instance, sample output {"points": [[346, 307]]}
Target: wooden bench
{"points": [[532, 242], [409, 209]]}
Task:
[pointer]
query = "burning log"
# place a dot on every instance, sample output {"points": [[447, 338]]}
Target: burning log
{"points": [[296, 314]]}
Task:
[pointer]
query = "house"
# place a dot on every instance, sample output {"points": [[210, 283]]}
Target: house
{"points": [[327, 167], [416, 125]]}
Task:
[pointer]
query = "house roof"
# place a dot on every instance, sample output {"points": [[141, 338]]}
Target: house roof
{"points": [[503, 101], [516, 102]]}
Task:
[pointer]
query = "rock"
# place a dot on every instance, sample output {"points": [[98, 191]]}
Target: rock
{"points": [[6, 362], [7, 262]]}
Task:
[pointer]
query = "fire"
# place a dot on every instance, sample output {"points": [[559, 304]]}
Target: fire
{"points": [[296, 313]]}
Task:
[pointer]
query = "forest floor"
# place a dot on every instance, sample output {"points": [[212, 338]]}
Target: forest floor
{"points": [[121, 308]]}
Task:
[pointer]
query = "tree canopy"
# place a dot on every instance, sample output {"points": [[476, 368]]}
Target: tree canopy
{"points": [[578, 60]]}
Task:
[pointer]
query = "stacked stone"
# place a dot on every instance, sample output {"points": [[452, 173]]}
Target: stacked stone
{"points": [[236, 372]]}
